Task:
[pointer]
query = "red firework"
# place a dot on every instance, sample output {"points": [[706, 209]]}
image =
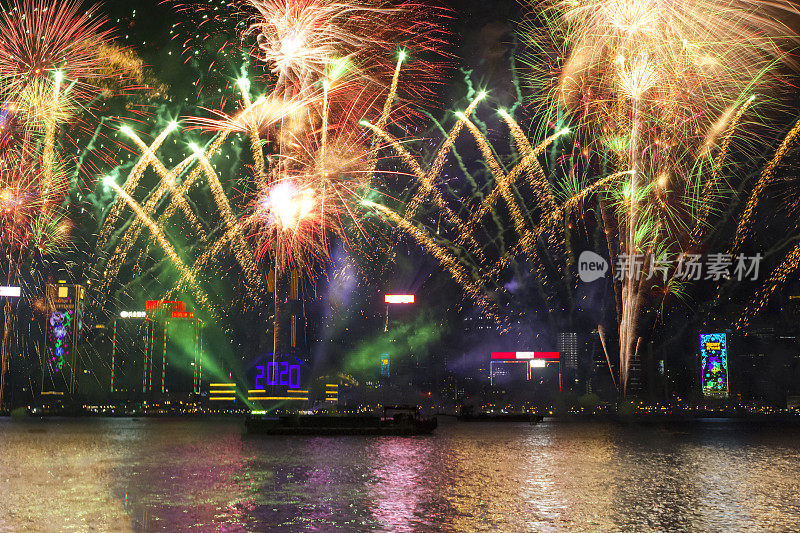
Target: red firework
{"points": [[40, 37]]}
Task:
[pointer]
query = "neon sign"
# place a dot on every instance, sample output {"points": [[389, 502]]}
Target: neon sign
{"points": [[278, 373], [399, 298], [525, 355], [10, 292], [714, 364]]}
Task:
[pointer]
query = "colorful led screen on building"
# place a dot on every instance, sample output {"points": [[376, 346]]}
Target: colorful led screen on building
{"points": [[62, 332], [59, 332], [714, 364], [385, 365]]}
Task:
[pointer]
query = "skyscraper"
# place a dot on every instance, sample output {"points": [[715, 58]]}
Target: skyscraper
{"points": [[568, 347], [173, 361], [63, 325], [129, 354]]}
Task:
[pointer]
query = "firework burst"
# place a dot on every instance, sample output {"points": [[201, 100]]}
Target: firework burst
{"points": [[651, 88], [304, 41], [40, 37]]}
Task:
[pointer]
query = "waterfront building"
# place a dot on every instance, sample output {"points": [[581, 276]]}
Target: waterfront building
{"points": [[156, 352], [63, 327]]}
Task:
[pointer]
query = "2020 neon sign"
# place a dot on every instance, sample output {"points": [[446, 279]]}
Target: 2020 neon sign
{"points": [[278, 373]]}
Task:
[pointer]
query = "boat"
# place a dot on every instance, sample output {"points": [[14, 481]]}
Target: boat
{"points": [[468, 415], [404, 421]]}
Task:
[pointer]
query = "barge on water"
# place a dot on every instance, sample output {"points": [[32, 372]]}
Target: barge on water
{"points": [[468, 415], [404, 422]]}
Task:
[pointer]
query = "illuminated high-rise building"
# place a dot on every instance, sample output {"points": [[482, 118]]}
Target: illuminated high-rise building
{"points": [[157, 351], [184, 353], [502, 373], [288, 321], [129, 344], [384, 360], [568, 347], [63, 325]]}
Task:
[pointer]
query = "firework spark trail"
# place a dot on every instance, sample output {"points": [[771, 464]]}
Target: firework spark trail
{"points": [[387, 109], [788, 267], [117, 259], [766, 179], [168, 182], [387, 105], [115, 262], [382, 120], [499, 177], [456, 270], [640, 81], [529, 160], [602, 332], [464, 236], [504, 185], [186, 275], [252, 126], [258, 155], [427, 183], [132, 233], [158, 235], [240, 248], [539, 183], [184, 187], [130, 185], [708, 188]]}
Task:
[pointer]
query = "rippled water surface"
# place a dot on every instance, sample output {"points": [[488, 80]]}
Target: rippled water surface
{"points": [[174, 475]]}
